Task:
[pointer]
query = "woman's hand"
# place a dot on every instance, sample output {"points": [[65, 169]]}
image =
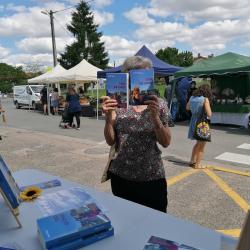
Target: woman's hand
{"points": [[109, 106], [153, 106]]}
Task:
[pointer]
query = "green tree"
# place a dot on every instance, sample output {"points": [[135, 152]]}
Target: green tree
{"points": [[174, 57], [87, 45], [9, 76]]}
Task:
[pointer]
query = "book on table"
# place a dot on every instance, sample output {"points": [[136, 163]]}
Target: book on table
{"points": [[157, 243], [8, 185], [76, 225], [117, 88]]}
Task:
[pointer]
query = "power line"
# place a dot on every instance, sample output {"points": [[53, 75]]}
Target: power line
{"points": [[63, 27]]}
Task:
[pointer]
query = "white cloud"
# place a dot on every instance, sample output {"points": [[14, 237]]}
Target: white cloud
{"points": [[27, 59], [120, 47], [4, 52], [102, 3], [206, 37], [193, 10], [103, 18], [139, 15], [43, 44]]}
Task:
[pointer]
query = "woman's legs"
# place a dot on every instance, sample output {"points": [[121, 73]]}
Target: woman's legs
{"points": [[71, 117], [200, 153], [77, 115], [194, 154]]}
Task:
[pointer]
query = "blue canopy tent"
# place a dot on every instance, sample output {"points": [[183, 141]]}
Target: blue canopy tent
{"points": [[160, 67]]}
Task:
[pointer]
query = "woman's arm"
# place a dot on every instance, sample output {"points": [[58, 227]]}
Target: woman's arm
{"points": [[188, 106], [108, 108], [163, 134], [207, 108]]}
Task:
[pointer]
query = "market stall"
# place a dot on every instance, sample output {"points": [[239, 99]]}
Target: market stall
{"points": [[230, 83]]}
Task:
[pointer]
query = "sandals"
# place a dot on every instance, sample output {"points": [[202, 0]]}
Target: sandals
{"points": [[193, 165]]}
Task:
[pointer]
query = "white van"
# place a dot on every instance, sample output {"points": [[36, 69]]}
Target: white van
{"points": [[27, 95]]}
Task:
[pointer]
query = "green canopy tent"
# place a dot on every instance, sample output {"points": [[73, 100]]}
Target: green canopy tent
{"points": [[229, 70]]}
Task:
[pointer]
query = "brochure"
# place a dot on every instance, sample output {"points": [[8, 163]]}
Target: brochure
{"points": [[117, 88], [43, 185], [71, 225], [8, 185], [156, 243], [63, 200]]}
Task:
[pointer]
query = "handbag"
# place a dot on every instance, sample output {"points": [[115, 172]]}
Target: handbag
{"points": [[202, 130], [112, 153]]}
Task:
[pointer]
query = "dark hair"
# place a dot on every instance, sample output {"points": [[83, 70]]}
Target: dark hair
{"points": [[204, 90], [55, 89]]}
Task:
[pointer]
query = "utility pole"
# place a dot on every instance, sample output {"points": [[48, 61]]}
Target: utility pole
{"points": [[51, 15], [53, 37]]}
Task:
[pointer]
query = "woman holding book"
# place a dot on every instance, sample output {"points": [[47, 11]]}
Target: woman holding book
{"points": [[136, 169]]}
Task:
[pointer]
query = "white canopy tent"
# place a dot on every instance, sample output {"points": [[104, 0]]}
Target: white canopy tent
{"points": [[81, 73], [45, 78]]}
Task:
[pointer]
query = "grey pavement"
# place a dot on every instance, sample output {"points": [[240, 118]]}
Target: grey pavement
{"points": [[31, 140]]}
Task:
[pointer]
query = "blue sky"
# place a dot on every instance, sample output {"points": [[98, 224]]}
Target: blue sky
{"points": [[199, 26]]}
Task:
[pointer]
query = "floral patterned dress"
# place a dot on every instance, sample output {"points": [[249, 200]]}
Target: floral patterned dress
{"points": [[138, 157]]}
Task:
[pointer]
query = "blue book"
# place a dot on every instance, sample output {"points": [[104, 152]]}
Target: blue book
{"points": [[117, 88], [71, 225], [142, 79], [85, 241], [8, 185]]}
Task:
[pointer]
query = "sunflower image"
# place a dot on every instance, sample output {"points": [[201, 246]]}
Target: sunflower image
{"points": [[30, 193]]}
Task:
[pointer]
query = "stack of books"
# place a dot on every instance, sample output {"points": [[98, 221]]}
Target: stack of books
{"points": [[74, 228]]}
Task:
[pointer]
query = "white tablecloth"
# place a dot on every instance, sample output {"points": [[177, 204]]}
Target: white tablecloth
{"points": [[241, 119], [133, 223]]}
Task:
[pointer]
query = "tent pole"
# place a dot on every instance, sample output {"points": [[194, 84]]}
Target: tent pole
{"points": [[97, 100], [48, 99]]}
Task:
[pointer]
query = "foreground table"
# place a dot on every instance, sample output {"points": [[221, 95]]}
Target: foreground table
{"points": [[133, 223]]}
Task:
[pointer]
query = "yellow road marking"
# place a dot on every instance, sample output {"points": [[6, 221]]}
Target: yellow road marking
{"points": [[228, 190], [231, 232], [181, 176], [228, 170]]}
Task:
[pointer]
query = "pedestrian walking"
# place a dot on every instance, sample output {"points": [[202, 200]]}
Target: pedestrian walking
{"points": [[55, 100], [74, 107], [135, 166], [44, 100], [199, 104]]}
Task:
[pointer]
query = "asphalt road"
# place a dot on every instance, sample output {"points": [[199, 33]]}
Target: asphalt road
{"points": [[213, 199], [224, 139]]}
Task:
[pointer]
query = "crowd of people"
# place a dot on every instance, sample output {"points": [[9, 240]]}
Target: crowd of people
{"points": [[135, 167]]}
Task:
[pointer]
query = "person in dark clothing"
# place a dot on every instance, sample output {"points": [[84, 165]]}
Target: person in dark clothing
{"points": [[73, 105], [44, 99], [191, 90]]}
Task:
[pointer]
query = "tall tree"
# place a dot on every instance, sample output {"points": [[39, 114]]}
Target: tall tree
{"points": [[87, 45], [9, 76], [174, 57]]}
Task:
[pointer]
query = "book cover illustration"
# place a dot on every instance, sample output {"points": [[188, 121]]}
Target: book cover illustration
{"points": [[72, 224], [141, 85], [117, 88], [156, 243], [63, 200], [8, 184], [43, 185]]}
